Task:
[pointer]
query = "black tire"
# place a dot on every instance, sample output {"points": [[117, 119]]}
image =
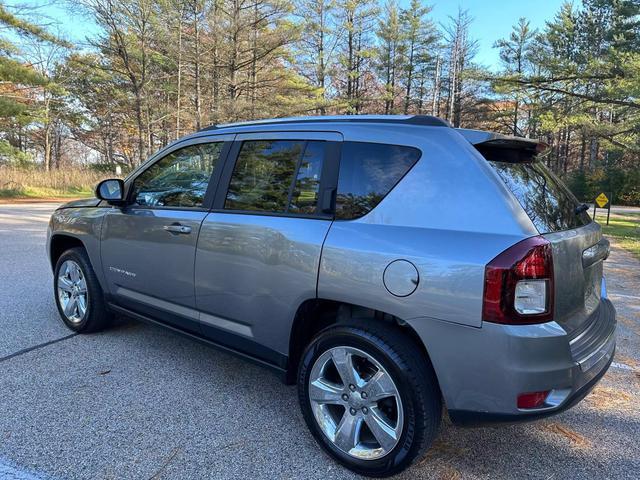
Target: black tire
{"points": [[413, 376], [96, 317]]}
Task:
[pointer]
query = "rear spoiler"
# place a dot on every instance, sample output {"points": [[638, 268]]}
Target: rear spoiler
{"points": [[504, 148]]}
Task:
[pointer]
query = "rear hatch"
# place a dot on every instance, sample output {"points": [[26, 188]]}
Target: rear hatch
{"points": [[578, 246]]}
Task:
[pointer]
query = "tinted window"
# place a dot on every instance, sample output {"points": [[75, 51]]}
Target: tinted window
{"points": [[368, 171], [548, 202], [276, 176], [305, 192], [178, 180]]}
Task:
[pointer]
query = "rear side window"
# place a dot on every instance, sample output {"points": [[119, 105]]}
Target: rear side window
{"points": [[304, 197], [548, 202], [368, 172], [278, 176]]}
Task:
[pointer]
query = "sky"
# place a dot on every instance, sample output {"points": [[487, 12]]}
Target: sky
{"points": [[492, 19]]}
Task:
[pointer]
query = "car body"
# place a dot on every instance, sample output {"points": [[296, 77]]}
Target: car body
{"points": [[409, 240]]}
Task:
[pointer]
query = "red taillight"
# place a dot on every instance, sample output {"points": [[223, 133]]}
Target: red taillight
{"points": [[532, 400], [507, 274]]}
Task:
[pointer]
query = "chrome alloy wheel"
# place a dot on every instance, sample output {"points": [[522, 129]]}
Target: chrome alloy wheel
{"points": [[72, 291], [356, 403]]}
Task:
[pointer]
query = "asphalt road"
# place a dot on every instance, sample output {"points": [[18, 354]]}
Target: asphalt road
{"points": [[620, 210], [140, 402]]}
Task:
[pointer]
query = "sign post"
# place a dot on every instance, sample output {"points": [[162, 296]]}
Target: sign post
{"points": [[601, 201]]}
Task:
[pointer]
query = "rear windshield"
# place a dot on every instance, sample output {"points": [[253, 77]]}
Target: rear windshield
{"points": [[548, 202]]}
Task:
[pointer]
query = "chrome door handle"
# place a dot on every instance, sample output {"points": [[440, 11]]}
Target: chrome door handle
{"points": [[176, 228]]}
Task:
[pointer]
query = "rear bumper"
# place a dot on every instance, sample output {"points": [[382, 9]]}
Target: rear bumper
{"points": [[482, 371], [469, 418]]}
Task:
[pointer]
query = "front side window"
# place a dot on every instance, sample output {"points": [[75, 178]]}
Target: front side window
{"points": [[368, 172], [279, 176], [178, 180]]}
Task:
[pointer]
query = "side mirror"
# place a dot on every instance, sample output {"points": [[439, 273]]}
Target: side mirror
{"points": [[111, 190]]}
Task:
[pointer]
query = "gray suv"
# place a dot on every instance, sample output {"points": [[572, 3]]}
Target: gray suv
{"points": [[388, 265]]}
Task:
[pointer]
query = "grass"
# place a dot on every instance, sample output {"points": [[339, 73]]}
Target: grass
{"points": [[18, 183], [624, 228]]}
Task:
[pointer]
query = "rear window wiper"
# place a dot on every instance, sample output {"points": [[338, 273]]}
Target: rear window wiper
{"points": [[581, 208]]}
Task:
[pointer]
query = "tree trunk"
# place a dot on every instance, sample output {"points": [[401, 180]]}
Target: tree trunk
{"points": [[196, 66], [179, 99], [320, 73], [215, 108], [350, 61], [140, 124], [407, 96], [254, 73], [232, 89], [435, 102], [47, 146]]}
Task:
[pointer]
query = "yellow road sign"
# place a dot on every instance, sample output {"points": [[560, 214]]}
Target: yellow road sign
{"points": [[602, 200]]}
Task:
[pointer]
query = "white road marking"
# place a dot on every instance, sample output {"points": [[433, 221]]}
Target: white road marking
{"points": [[11, 472], [622, 366], [633, 297]]}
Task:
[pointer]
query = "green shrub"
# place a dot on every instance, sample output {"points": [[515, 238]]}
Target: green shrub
{"points": [[10, 155], [623, 185]]}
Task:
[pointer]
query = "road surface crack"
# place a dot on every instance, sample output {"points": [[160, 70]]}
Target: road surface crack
{"points": [[35, 347]]}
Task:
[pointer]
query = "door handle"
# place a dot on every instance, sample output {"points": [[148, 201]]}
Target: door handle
{"points": [[177, 228]]}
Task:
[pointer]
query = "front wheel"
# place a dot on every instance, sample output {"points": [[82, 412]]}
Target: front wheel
{"points": [[79, 297], [369, 396]]}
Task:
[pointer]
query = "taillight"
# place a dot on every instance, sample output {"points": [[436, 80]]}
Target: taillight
{"points": [[533, 399], [518, 284]]}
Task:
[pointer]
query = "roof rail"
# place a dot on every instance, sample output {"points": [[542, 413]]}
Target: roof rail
{"points": [[424, 120]]}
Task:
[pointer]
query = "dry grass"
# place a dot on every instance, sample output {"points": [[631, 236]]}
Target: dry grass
{"points": [[608, 398], [450, 473], [621, 358], [574, 438], [441, 455], [19, 183]]}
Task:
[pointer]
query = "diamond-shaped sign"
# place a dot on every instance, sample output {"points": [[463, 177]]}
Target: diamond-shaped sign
{"points": [[602, 200]]}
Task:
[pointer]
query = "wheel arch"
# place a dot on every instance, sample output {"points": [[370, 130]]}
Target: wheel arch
{"points": [[314, 315], [60, 243]]}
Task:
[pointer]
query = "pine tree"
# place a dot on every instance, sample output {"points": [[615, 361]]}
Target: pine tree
{"points": [[515, 54], [316, 51], [420, 37], [26, 91]]}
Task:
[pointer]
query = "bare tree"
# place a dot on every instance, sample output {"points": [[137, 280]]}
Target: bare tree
{"points": [[461, 50], [127, 31]]}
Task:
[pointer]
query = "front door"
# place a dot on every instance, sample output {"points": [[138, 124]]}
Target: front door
{"points": [[148, 247], [259, 250]]}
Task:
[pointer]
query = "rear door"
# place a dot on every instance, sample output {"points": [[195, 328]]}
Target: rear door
{"points": [[259, 249], [578, 246], [148, 247]]}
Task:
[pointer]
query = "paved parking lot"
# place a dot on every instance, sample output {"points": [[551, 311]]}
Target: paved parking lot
{"points": [[140, 402]]}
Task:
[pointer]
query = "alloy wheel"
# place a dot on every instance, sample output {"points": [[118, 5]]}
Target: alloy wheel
{"points": [[72, 291], [356, 403]]}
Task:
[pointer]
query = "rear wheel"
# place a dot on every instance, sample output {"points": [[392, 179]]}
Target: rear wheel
{"points": [[369, 396], [79, 297]]}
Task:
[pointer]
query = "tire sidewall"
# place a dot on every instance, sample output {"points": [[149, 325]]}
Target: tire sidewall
{"points": [[78, 259], [406, 448]]}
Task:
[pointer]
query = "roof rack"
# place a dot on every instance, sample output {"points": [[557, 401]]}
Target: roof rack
{"points": [[423, 120]]}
